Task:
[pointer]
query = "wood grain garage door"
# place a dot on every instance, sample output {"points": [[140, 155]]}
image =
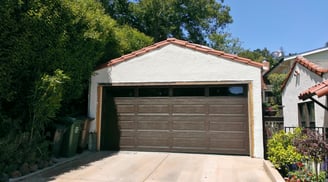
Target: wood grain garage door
{"points": [[184, 124]]}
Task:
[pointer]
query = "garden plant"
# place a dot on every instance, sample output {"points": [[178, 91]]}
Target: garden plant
{"points": [[297, 154]]}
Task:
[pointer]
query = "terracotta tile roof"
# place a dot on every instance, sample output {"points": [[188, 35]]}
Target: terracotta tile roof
{"points": [[181, 43], [320, 90], [311, 66], [307, 64]]}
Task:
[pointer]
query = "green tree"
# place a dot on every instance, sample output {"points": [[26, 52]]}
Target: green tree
{"points": [[37, 38], [119, 10], [193, 20], [225, 42], [276, 80], [258, 55], [45, 101]]}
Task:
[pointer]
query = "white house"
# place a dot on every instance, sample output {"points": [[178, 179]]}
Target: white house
{"points": [[304, 94], [317, 56], [181, 97]]}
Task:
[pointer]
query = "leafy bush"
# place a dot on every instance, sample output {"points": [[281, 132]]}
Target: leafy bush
{"points": [[276, 81], [313, 146], [296, 149], [45, 101], [281, 151], [42, 44], [304, 173]]}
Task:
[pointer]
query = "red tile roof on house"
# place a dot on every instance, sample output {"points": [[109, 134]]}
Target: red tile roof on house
{"points": [[181, 43], [320, 90], [308, 65], [311, 66]]}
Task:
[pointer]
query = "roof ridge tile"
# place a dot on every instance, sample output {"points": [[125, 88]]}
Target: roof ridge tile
{"points": [[182, 43], [319, 89], [310, 65]]}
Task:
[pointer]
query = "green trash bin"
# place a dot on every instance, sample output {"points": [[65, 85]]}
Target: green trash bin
{"points": [[71, 136], [85, 126], [58, 139]]}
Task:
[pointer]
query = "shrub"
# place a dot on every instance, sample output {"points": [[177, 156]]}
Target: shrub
{"points": [[281, 151], [304, 173], [313, 146]]}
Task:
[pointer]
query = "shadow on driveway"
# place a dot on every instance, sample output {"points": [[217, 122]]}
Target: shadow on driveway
{"points": [[157, 166], [66, 165]]}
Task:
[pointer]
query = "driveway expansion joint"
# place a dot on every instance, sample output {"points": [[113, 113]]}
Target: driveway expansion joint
{"points": [[159, 164]]}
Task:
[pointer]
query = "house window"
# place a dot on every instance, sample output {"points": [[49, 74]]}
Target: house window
{"points": [[189, 91], [153, 92], [122, 92], [228, 91], [306, 116]]}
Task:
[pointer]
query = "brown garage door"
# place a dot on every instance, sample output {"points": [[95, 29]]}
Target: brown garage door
{"points": [[180, 123]]}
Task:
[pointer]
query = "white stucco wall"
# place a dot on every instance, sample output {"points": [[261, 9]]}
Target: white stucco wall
{"points": [[296, 85], [173, 63], [319, 58]]}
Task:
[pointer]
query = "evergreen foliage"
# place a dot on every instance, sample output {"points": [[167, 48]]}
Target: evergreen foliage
{"points": [[48, 51]]}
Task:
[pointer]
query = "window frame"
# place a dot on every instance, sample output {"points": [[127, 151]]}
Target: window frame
{"points": [[206, 90], [306, 114]]}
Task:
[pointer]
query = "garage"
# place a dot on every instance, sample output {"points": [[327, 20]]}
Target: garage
{"points": [[176, 96], [202, 119]]}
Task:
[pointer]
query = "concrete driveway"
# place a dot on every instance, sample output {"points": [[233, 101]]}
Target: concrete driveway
{"points": [[158, 166]]}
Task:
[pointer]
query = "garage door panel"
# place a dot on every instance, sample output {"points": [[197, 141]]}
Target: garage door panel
{"points": [[188, 134], [152, 133], [189, 109], [126, 117], [125, 108], [227, 109], [227, 126], [189, 100], [184, 124], [152, 117], [127, 133], [230, 135], [127, 142], [152, 100], [153, 125], [240, 151], [227, 118], [151, 142], [153, 108], [188, 117], [226, 100], [228, 144], [127, 125], [124, 101], [190, 125], [189, 142]]}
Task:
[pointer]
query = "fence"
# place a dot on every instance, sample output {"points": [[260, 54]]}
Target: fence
{"points": [[275, 124], [272, 125], [322, 130], [324, 133]]}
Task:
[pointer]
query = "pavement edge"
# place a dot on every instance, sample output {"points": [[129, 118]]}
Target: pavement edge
{"points": [[272, 172], [61, 161]]}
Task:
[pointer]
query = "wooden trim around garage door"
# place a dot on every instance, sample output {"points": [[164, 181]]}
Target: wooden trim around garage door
{"points": [[251, 118], [191, 83], [98, 120]]}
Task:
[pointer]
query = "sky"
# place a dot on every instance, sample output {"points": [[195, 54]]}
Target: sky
{"points": [[295, 25]]}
